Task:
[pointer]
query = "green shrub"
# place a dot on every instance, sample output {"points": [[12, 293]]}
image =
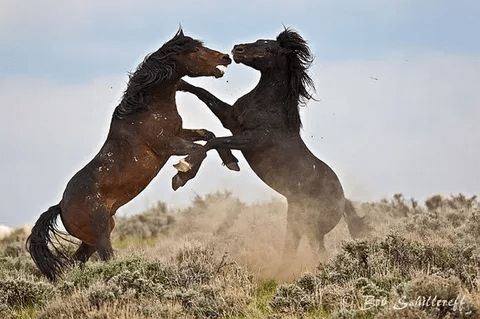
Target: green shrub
{"points": [[202, 285], [263, 295], [430, 250], [291, 298], [473, 226], [99, 293], [438, 296], [378, 269], [407, 313], [136, 285], [353, 314], [150, 224], [5, 311], [210, 301], [21, 293], [14, 267]]}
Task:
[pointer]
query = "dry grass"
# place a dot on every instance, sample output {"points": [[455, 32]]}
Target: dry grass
{"points": [[219, 258]]}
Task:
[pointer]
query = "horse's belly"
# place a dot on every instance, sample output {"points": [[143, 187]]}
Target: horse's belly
{"points": [[272, 168], [294, 173], [132, 178], [112, 180]]}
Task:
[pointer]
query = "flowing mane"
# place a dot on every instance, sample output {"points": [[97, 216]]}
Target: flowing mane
{"points": [[156, 68], [299, 60]]}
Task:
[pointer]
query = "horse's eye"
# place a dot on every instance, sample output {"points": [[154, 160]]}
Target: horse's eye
{"points": [[196, 49]]}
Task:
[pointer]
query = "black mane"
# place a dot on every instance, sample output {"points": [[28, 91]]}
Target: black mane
{"points": [[156, 68], [299, 60]]}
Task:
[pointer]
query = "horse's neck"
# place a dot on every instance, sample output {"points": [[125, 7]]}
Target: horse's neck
{"points": [[162, 96], [273, 86], [273, 94]]}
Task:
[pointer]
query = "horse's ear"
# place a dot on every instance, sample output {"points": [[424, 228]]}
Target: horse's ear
{"points": [[180, 31], [284, 34]]}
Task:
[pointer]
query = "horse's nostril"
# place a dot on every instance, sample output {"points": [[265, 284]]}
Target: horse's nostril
{"points": [[238, 49]]}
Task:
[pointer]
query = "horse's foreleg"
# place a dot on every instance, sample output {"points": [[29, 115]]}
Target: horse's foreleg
{"points": [[204, 135], [236, 142], [188, 167], [221, 109]]}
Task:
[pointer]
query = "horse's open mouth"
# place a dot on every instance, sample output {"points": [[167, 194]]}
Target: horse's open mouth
{"points": [[219, 71]]}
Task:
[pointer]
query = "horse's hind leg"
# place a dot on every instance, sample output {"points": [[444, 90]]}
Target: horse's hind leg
{"points": [[316, 240], [104, 247], [292, 240], [319, 223], [104, 244], [293, 233], [84, 252]]}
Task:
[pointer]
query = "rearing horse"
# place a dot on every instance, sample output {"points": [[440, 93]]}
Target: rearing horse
{"points": [[145, 131], [266, 123]]}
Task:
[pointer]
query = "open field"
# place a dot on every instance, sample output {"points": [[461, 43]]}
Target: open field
{"points": [[219, 258]]}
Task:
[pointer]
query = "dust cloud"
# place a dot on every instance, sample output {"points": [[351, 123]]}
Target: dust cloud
{"points": [[251, 235]]}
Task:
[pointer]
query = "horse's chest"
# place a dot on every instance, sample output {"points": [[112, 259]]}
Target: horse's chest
{"points": [[160, 125], [251, 114]]}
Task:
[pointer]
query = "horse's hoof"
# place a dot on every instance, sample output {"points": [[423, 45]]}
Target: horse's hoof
{"points": [[177, 182], [233, 166], [183, 166]]}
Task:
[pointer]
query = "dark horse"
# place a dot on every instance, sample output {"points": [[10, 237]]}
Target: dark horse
{"points": [[266, 127], [145, 131]]}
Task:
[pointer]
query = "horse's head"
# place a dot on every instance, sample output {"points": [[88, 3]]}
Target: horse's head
{"points": [[260, 55], [201, 61], [289, 50], [286, 58], [194, 59], [178, 57]]}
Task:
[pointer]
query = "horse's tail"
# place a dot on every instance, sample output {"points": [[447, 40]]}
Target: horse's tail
{"points": [[50, 264], [356, 225]]}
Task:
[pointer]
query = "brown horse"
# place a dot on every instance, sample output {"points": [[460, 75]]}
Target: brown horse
{"points": [[266, 127], [145, 131]]}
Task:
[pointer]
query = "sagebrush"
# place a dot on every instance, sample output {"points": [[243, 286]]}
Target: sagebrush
{"points": [[217, 259]]}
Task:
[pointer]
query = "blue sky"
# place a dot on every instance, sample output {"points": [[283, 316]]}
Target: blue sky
{"points": [[397, 88]]}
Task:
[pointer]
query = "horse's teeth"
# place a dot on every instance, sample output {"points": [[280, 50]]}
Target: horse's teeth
{"points": [[222, 68]]}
